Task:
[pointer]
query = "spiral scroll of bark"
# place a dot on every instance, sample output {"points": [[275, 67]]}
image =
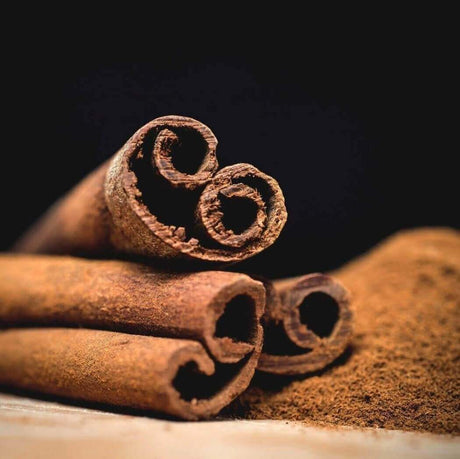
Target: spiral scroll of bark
{"points": [[160, 197], [308, 323]]}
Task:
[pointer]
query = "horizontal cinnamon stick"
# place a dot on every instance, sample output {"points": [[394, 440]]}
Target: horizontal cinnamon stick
{"points": [[171, 376], [159, 197], [308, 324], [220, 309]]}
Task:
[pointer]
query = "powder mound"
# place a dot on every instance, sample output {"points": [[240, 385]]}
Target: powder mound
{"points": [[402, 370]]}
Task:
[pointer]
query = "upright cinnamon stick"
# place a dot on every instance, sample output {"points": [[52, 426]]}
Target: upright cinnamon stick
{"points": [[307, 322], [171, 376], [158, 197]]}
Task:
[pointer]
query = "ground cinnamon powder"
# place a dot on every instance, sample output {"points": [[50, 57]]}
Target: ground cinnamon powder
{"points": [[402, 370]]}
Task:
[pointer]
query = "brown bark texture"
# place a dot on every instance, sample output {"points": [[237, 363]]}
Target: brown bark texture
{"points": [[160, 197], [308, 323], [171, 376], [210, 318]]}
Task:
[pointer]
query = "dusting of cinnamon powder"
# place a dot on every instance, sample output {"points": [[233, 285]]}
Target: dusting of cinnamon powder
{"points": [[402, 370]]}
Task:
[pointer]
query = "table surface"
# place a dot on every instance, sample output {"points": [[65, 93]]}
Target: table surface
{"points": [[31, 428]]}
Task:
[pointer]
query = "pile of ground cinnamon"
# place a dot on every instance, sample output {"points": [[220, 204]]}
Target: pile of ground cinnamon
{"points": [[402, 371]]}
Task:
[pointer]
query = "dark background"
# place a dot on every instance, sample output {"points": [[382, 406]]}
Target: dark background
{"points": [[355, 135]]}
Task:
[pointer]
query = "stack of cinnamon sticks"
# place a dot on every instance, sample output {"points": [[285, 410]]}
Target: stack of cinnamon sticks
{"points": [[110, 297]]}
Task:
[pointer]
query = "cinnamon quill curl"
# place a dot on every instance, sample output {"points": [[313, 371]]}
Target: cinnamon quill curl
{"points": [[308, 323], [159, 197]]}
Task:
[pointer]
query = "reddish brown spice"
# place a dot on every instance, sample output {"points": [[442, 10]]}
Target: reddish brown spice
{"points": [[307, 322], [171, 376], [159, 197], [402, 369], [219, 309]]}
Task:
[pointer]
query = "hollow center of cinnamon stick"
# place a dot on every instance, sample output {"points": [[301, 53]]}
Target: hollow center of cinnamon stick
{"points": [[178, 209], [238, 321], [187, 152], [277, 342], [239, 213], [319, 312], [192, 384]]}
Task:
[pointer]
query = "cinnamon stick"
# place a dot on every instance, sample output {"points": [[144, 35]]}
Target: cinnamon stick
{"points": [[159, 197], [308, 324], [171, 376], [219, 311]]}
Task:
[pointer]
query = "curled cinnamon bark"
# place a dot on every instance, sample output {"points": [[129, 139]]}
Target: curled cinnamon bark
{"points": [[242, 208], [146, 201], [171, 376], [220, 309], [307, 322]]}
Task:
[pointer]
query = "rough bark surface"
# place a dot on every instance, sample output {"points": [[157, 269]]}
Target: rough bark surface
{"points": [[159, 197], [120, 369], [304, 332], [219, 311]]}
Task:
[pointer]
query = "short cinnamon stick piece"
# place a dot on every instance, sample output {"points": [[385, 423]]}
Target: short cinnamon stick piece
{"points": [[159, 197], [171, 376], [308, 324]]}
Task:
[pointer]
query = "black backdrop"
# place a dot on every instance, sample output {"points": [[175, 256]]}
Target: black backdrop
{"points": [[354, 138]]}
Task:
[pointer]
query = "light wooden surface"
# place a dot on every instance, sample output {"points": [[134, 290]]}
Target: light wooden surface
{"points": [[32, 428]]}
